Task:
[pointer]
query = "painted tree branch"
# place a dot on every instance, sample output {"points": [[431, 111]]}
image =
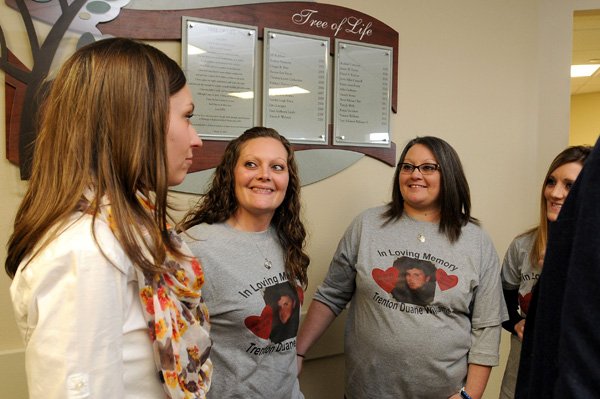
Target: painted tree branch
{"points": [[29, 28], [5, 64]]}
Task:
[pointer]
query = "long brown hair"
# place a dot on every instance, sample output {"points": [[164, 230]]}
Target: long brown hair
{"points": [[220, 203], [576, 154], [103, 127], [455, 197]]}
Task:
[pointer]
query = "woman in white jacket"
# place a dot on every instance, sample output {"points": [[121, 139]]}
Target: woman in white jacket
{"points": [[106, 296]]}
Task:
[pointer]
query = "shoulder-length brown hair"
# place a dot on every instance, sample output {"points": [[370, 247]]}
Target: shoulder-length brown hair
{"points": [[455, 197], [103, 127], [220, 203], [576, 154]]}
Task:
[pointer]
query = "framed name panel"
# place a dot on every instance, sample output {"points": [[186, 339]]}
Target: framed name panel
{"points": [[362, 94], [295, 85], [219, 60]]}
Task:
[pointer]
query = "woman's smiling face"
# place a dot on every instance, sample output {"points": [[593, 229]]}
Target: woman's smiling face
{"points": [[557, 187], [261, 178], [420, 192]]}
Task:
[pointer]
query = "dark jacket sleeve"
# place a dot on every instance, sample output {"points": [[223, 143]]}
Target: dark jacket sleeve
{"points": [[511, 297]]}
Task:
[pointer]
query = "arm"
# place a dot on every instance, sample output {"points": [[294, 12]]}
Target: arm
{"points": [[333, 294], [512, 265], [72, 301], [318, 319], [515, 323], [488, 313], [477, 378]]}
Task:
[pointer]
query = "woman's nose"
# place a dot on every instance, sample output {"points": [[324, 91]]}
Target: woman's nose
{"points": [[196, 140], [558, 191], [416, 174], [264, 173]]}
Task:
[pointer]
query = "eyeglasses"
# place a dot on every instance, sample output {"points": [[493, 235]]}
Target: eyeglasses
{"points": [[424, 168]]}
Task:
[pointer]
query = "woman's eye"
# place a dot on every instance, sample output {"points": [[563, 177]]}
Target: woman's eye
{"points": [[551, 182], [250, 164], [189, 116], [406, 167], [568, 186], [279, 168]]}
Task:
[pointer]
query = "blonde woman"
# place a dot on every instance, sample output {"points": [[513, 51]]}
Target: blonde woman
{"points": [[522, 263], [106, 296]]}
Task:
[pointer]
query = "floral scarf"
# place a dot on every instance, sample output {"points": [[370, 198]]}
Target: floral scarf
{"points": [[177, 317]]}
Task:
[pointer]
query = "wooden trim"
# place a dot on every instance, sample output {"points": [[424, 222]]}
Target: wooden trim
{"points": [[14, 96]]}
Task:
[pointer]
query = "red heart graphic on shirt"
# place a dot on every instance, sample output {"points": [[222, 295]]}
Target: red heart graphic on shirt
{"points": [[300, 294], [261, 325], [445, 281], [386, 279], [524, 302]]}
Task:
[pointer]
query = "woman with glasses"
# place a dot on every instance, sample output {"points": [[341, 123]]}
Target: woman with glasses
{"points": [[395, 348], [523, 260]]}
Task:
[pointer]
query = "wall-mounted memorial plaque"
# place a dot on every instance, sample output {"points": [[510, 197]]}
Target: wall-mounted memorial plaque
{"points": [[362, 89], [220, 62], [295, 85]]}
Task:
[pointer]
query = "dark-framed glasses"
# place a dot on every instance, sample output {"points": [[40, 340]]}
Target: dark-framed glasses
{"points": [[424, 168]]}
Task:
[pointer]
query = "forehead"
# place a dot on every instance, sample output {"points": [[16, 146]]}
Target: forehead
{"points": [[568, 171], [182, 98], [415, 270], [419, 152], [264, 147]]}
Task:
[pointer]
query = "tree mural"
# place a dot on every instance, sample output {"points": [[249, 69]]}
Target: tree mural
{"points": [[74, 23], [24, 86]]}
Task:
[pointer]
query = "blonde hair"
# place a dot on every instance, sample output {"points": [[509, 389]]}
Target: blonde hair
{"points": [[577, 154], [103, 127]]}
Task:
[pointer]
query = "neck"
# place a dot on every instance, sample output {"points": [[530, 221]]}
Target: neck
{"points": [[427, 215], [250, 223]]}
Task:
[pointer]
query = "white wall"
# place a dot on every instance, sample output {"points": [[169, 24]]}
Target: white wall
{"points": [[489, 77]]}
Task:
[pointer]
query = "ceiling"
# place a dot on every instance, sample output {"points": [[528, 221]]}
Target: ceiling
{"points": [[586, 47]]}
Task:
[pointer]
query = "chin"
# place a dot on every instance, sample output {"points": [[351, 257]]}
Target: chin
{"points": [[175, 182]]}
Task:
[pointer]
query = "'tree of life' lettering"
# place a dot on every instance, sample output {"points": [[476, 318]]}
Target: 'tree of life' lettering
{"points": [[352, 25]]}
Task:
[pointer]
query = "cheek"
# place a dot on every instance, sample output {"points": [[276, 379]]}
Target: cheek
{"points": [[173, 145], [547, 193], [240, 179], [284, 182]]}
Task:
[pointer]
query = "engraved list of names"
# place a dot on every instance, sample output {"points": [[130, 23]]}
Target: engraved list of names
{"points": [[219, 60], [295, 85], [362, 94]]}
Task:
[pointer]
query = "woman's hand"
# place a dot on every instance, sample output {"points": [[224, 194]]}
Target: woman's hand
{"points": [[519, 329]]}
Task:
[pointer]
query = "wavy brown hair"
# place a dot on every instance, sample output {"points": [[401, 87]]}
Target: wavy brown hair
{"points": [[455, 197], [103, 127], [577, 154], [220, 203]]}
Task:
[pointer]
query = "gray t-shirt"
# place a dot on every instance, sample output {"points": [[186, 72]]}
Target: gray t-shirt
{"points": [[405, 348], [254, 312], [517, 270]]}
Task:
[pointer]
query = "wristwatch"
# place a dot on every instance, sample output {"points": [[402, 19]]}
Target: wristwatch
{"points": [[464, 394]]}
